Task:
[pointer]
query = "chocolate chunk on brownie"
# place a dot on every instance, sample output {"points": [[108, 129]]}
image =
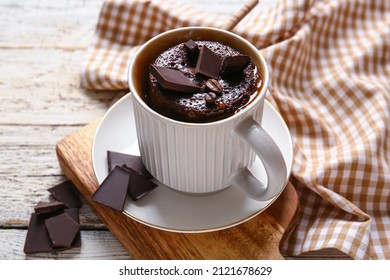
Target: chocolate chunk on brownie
{"points": [[208, 64], [172, 79]]}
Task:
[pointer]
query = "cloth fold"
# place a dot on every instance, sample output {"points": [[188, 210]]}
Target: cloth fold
{"points": [[330, 80]]}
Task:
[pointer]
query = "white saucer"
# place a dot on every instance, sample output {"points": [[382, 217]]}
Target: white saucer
{"points": [[169, 210]]}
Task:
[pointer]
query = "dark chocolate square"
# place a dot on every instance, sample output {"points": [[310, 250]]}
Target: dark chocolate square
{"points": [[120, 159], [139, 185], [62, 230], [192, 50], [66, 192], [113, 190], [234, 64], [37, 238], [173, 79], [208, 64], [74, 214]]}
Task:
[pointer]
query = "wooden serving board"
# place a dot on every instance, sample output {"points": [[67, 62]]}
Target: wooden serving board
{"points": [[258, 238]]}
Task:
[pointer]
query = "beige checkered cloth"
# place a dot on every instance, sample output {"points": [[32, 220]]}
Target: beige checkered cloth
{"points": [[330, 69]]}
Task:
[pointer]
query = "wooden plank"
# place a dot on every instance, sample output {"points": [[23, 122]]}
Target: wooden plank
{"points": [[33, 136], [42, 87], [36, 161], [20, 194], [96, 245], [28, 167], [45, 23]]}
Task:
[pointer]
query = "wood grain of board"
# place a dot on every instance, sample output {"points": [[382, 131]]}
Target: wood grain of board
{"points": [[258, 238]]}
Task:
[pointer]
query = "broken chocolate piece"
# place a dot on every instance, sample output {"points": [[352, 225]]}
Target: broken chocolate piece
{"points": [[48, 207], [37, 238], [62, 230], [234, 64], [139, 185], [131, 161], [113, 190], [74, 214], [192, 50], [66, 193], [173, 79], [208, 64], [191, 46]]}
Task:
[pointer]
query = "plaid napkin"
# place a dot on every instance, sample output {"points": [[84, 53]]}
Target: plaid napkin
{"points": [[330, 80]]}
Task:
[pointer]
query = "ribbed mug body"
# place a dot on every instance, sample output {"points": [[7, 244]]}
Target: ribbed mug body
{"points": [[193, 158]]}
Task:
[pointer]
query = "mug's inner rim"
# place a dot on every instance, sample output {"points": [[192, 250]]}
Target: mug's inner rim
{"points": [[139, 67]]}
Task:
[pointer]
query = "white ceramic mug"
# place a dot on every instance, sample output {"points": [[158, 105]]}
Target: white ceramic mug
{"points": [[202, 158]]}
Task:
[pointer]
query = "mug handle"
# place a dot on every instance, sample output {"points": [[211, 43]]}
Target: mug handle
{"points": [[271, 157]]}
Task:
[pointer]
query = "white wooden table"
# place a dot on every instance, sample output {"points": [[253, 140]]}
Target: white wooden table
{"points": [[42, 46]]}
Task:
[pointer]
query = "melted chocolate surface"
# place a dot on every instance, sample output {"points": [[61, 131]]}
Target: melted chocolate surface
{"points": [[238, 87]]}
